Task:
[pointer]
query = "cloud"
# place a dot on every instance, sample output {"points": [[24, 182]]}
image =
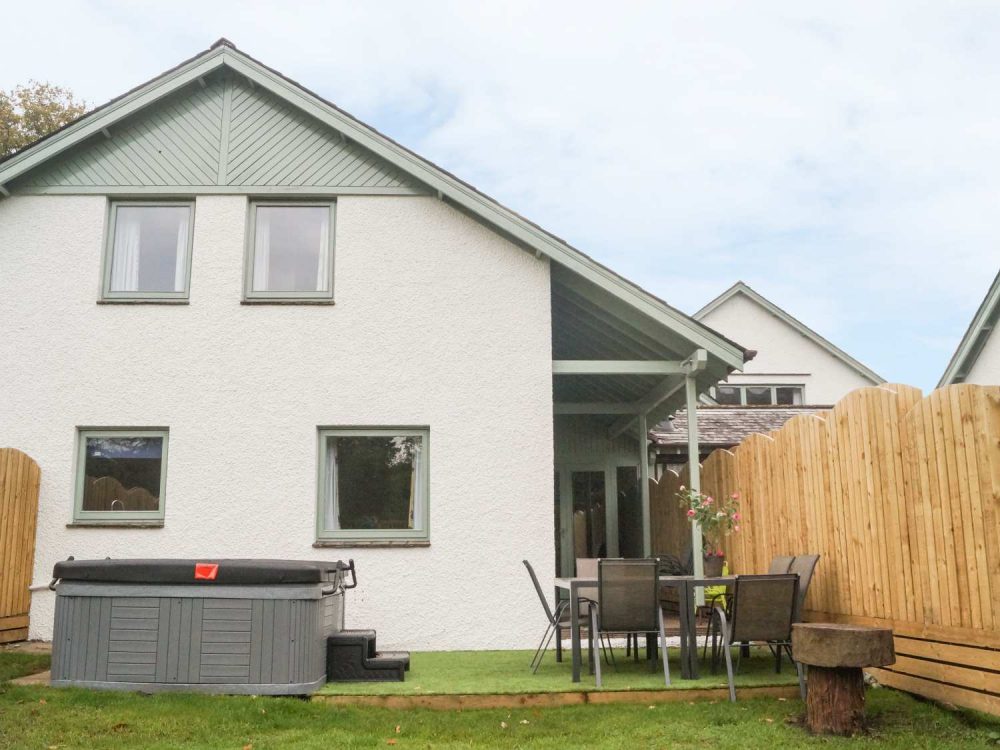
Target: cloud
{"points": [[840, 157]]}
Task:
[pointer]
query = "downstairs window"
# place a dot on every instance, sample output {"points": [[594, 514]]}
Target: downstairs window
{"points": [[373, 484]]}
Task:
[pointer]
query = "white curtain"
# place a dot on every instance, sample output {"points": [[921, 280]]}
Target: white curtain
{"points": [[180, 263], [262, 251], [125, 254], [323, 265], [330, 515], [417, 502]]}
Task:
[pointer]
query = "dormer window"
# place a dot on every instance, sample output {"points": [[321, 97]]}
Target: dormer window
{"points": [[290, 252], [148, 252]]}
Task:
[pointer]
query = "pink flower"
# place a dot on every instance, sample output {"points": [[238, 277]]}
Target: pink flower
{"points": [[709, 500], [736, 527], [736, 516], [691, 513], [736, 496], [718, 553]]}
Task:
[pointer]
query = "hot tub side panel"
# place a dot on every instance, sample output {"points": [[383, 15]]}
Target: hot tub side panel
{"points": [[253, 645]]}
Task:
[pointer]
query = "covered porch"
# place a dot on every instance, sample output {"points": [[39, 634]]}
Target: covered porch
{"points": [[619, 367]]}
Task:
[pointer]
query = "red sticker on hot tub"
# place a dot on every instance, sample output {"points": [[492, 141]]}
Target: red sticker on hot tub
{"points": [[205, 571]]}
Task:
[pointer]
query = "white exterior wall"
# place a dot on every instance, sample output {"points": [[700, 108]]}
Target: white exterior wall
{"points": [[783, 354], [986, 369], [438, 321]]}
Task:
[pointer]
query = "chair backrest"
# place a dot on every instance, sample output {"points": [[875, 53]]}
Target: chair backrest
{"points": [[688, 562], [538, 590], [780, 564], [629, 595], [803, 566], [763, 607], [586, 567]]}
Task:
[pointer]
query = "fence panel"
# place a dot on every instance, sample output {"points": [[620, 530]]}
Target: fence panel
{"points": [[19, 477], [900, 495]]}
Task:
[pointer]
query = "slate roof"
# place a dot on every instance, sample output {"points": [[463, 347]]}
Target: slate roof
{"points": [[725, 426]]}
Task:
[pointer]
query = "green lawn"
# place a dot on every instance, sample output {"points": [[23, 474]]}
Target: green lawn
{"points": [[471, 672], [15, 664], [69, 718]]}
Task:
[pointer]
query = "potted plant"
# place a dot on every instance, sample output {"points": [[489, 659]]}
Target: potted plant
{"points": [[717, 518]]}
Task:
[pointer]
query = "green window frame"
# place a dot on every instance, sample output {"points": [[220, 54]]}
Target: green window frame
{"points": [[741, 389], [250, 295], [107, 295], [420, 532], [117, 516]]}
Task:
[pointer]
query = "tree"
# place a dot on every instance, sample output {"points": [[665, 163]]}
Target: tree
{"points": [[31, 111]]}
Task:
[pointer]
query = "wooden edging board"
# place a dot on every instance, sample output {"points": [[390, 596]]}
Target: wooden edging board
{"points": [[552, 700]]}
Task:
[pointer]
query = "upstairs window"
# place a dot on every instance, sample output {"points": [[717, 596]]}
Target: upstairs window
{"points": [[758, 395], [148, 252], [290, 252]]}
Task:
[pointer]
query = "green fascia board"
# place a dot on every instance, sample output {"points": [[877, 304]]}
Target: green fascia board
{"points": [[983, 325], [742, 288], [445, 185]]}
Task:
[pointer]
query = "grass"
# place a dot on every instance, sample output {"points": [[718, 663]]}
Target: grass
{"points": [[71, 718], [476, 672], [14, 664]]}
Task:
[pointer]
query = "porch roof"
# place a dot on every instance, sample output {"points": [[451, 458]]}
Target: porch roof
{"points": [[616, 362]]}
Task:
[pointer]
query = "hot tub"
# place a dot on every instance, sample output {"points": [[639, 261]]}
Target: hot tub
{"points": [[219, 626]]}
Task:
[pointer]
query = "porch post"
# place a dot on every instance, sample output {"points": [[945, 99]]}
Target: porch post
{"points": [[694, 478], [647, 530]]}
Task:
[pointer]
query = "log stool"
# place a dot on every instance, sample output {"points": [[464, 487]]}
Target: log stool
{"points": [[836, 654]]}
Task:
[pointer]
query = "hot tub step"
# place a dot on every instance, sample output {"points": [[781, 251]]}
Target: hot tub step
{"points": [[351, 657], [403, 656]]}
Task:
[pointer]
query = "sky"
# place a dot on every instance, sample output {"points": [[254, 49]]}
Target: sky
{"points": [[841, 158]]}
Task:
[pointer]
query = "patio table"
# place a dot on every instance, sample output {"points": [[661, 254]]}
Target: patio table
{"points": [[685, 586]]}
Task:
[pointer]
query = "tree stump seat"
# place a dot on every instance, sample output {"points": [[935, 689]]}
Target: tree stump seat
{"points": [[836, 655]]}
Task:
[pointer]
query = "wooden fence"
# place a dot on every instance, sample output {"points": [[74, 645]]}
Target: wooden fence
{"points": [[19, 476], [900, 495]]}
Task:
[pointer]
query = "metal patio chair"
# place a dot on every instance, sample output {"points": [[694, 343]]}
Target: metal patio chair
{"points": [[762, 611], [780, 564], [629, 602], [560, 618], [803, 566]]}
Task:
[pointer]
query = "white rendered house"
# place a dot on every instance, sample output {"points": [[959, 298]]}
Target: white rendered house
{"points": [[794, 371], [240, 323]]}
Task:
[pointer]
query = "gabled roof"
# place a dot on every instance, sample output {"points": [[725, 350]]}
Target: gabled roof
{"points": [[983, 325], [744, 289], [597, 314], [723, 354], [725, 426]]}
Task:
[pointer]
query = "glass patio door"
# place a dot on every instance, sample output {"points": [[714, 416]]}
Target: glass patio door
{"points": [[597, 514]]}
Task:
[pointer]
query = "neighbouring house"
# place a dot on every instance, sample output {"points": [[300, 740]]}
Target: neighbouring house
{"points": [[795, 371], [977, 358], [238, 322]]}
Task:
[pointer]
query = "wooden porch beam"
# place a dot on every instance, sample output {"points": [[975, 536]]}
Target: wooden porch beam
{"points": [[593, 408], [667, 388], [616, 367]]}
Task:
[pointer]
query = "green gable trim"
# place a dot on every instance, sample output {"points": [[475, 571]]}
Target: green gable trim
{"points": [[224, 134], [983, 325], [741, 288], [643, 305]]}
